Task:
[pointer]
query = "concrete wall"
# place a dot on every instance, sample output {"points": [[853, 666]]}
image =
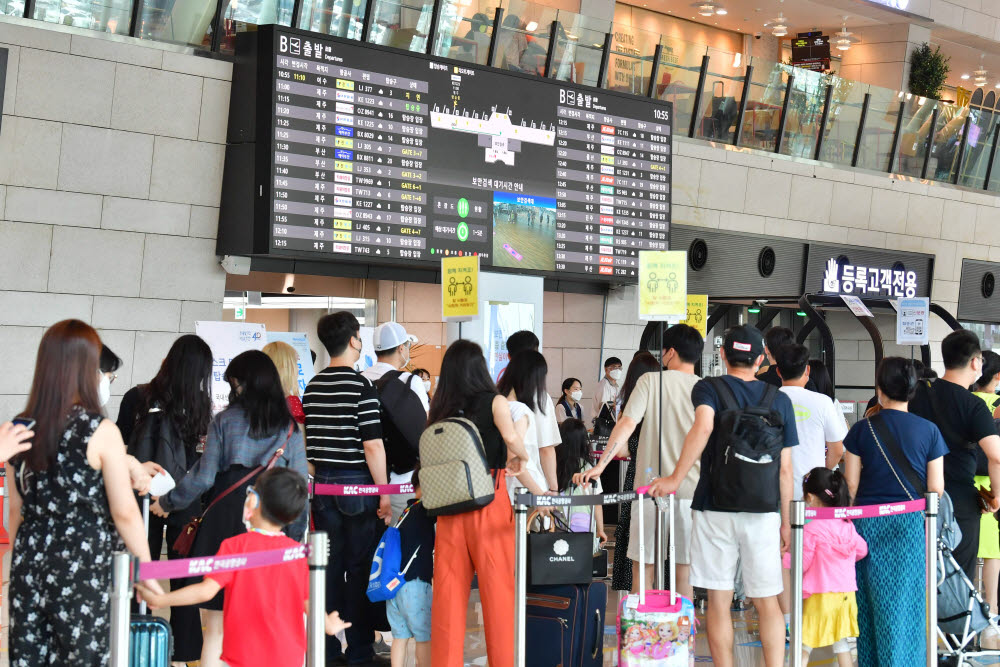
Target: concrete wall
{"points": [[111, 157]]}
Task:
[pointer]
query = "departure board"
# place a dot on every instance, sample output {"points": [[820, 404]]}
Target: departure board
{"points": [[389, 157]]}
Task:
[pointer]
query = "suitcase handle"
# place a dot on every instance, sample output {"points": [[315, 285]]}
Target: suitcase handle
{"points": [[598, 636]]}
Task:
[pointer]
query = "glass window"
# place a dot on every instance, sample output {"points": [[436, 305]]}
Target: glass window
{"points": [[842, 122], [914, 135], [763, 112], [340, 18], [105, 16], [947, 140], [177, 21], [880, 125], [580, 43], [402, 24], [243, 15], [805, 109], [977, 152], [721, 98], [11, 7], [464, 30]]}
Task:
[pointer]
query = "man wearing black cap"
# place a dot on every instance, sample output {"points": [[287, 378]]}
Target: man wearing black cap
{"points": [[722, 537]]}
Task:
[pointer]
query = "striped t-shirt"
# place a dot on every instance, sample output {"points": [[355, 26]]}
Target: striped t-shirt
{"points": [[342, 412]]}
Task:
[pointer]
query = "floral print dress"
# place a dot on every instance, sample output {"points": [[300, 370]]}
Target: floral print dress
{"points": [[60, 579]]}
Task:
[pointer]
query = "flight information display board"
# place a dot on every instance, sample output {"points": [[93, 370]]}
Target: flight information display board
{"points": [[388, 157]]}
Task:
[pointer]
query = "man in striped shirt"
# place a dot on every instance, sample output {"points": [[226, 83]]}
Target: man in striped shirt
{"points": [[344, 445]]}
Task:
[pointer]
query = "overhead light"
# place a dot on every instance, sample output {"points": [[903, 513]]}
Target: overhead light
{"points": [[779, 25], [843, 38], [721, 11], [753, 310], [707, 9], [965, 77], [779, 30], [981, 72], [997, 86]]}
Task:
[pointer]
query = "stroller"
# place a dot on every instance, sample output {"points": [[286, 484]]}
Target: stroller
{"points": [[962, 612]]}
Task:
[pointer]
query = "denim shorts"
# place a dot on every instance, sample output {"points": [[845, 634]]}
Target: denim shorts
{"points": [[410, 611]]}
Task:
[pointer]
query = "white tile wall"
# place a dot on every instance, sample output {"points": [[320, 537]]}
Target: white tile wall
{"points": [[92, 225]]}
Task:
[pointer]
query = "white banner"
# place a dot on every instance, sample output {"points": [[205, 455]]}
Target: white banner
{"points": [[228, 339]]}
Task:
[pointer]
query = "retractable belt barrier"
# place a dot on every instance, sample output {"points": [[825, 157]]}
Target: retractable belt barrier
{"points": [[360, 489], [124, 576], [799, 514]]}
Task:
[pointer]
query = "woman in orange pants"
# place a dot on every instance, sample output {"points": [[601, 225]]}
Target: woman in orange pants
{"points": [[479, 542]]}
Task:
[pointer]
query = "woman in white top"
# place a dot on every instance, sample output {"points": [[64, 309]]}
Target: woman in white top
{"points": [[523, 383]]}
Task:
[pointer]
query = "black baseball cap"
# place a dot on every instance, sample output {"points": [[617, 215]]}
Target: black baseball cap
{"points": [[744, 344]]}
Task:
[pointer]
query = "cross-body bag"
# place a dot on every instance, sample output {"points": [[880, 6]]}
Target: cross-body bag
{"points": [[878, 427], [184, 541]]}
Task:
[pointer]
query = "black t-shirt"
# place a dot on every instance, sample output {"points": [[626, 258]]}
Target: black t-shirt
{"points": [[416, 534], [963, 419]]}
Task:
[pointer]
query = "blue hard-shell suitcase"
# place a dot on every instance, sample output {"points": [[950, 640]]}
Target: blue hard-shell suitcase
{"points": [[150, 643], [572, 614]]}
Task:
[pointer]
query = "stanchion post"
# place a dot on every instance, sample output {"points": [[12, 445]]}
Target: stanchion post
{"points": [[672, 509], [520, 574], [121, 595], [798, 523], [319, 556], [659, 536], [931, 532]]}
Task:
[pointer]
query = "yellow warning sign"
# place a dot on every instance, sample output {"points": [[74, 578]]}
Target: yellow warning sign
{"points": [[663, 285], [460, 288], [697, 313]]}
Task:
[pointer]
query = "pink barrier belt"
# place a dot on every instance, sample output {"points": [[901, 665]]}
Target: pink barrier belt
{"points": [[866, 511], [361, 489], [194, 567]]}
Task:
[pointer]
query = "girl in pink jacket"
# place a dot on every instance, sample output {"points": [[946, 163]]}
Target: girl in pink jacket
{"points": [[830, 550]]}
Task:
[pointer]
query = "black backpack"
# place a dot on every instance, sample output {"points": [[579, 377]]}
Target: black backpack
{"points": [[746, 468], [403, 420]]}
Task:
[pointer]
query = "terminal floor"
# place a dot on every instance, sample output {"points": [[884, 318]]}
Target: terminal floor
{"points": [[746, 646]]}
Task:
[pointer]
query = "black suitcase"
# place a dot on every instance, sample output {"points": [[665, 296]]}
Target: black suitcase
{"points": [[565, 625]]}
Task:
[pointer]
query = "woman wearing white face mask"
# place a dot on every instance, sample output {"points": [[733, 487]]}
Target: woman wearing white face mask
{"points": [[109, 365], [425, 377], [569, 404]]}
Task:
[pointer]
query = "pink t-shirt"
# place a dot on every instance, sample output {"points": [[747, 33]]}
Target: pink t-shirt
{"points": [[829, 551]]}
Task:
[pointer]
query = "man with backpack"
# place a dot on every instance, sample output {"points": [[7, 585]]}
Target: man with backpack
{"points": [[742, 432], [404, 404]]}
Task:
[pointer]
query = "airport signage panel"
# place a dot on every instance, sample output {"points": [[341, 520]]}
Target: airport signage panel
{"points": [[868, 281], [378, 156]]}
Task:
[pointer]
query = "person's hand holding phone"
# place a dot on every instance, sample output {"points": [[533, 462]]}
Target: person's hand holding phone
{"points": [[15, 438]]}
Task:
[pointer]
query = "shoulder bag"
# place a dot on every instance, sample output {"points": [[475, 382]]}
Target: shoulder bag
{"points": [[878, 427], [184, 542]]}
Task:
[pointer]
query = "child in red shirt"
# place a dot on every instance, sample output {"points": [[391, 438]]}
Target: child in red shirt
{"points": [[263, 608]]}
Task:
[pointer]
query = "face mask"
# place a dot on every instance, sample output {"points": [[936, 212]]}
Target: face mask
{"points": [[576, 395], [104, 389], [616, 374], [427, 386]]}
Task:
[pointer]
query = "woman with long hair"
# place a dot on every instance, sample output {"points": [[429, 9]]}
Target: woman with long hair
{"points": [[174, 411], [569, 406], [71, 504], [244, 437], [623, 570], [482, 541], [989, 531], [523, 383], [286, 360]]}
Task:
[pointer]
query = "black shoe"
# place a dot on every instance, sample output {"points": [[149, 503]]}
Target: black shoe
{"points": [[381, 648]]}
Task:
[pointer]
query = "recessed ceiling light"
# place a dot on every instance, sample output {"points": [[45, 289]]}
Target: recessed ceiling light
{"points": [[965, 77]]}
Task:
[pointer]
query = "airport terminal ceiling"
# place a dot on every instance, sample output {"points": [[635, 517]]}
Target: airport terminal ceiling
{"points": [[356, 154]]}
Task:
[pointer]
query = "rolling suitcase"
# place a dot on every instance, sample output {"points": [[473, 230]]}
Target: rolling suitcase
{"points": [[656, 628], [150, 643], [565, 625]]}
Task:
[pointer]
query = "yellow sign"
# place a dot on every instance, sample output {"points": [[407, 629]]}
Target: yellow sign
{"points": [[663, 285], [697, 314], [460, 288]]}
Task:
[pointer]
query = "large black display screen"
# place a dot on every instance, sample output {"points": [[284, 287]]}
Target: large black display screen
{"points": [[388, 157]]}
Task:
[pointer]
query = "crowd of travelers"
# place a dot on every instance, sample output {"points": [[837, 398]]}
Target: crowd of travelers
{"points": [[241, 475]]}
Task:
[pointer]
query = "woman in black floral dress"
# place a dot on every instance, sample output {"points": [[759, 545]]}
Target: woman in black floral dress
{"points": [[71, 491]]}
